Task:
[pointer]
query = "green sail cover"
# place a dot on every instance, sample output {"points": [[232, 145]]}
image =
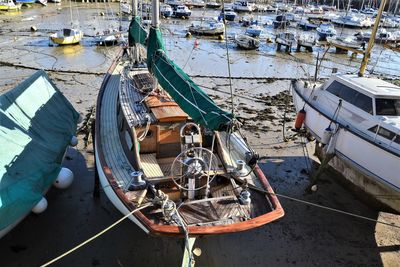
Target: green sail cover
{"points": [[194, 101], [137, 34], [36, 126]]}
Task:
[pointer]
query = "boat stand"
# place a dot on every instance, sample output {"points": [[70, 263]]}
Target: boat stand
{"points": [[188, 257]]}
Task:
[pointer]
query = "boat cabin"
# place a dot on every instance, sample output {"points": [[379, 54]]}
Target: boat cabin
{"points": [[376, 97]]}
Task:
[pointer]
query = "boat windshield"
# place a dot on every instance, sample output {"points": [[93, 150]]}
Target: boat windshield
{"points": [[387, 107]]}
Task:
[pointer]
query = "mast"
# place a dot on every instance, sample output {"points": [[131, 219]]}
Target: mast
{"points": [[371, 40], [155, 22], [134, 8], [136, 49]]}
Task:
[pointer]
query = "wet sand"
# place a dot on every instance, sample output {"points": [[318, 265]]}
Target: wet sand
{"points": [[306, 236]]}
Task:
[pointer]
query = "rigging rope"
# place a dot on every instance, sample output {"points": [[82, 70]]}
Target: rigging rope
{"points": [[95, 236], [323, 207], [227, 57]]}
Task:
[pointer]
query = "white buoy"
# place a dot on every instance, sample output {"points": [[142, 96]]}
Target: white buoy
{"points": [[64, 178], [74, 141], [40, 206]]}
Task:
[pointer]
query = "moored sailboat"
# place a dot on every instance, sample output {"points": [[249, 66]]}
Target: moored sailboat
{"points": [[67, 36], [162, 144], [9, 5]]}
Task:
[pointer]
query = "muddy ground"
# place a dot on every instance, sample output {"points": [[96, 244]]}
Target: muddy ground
{"points": [[305, 236]]}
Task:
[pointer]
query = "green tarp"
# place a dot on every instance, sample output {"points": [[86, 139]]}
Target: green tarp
{"points": [[194, 101], [137, 34], [36, 126]]}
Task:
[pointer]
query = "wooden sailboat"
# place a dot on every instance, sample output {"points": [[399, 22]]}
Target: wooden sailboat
{"points": [[162, 143]]}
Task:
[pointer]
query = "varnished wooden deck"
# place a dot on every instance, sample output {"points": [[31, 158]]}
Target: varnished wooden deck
{"points": [[132, 103], [113, 151]]}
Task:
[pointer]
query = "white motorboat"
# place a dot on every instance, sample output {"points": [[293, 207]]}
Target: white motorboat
{"points": [[354, 21], [359, 118], [211, 27], [382, 36], [325, 30], [345, 42], [182, 11], [356, 122], [125, 8], [254, 30], [166, 11], [243, 6]]}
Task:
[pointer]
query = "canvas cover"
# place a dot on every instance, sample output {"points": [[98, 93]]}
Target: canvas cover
{"points": [[137, 34], [36, 126], [194, 101]]}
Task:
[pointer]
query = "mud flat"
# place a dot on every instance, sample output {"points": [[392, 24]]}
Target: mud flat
{"points": [[306, 236]]}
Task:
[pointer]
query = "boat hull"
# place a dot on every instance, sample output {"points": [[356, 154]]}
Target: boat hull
{"points": [[356, 157], [205, 31], [117, 195], [69, 40], [10, 8], [247, 42], [322, 36], [167, 14], [182, 14]]}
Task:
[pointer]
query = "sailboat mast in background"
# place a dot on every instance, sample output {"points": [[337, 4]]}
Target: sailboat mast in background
{"points": [[371, 41]]}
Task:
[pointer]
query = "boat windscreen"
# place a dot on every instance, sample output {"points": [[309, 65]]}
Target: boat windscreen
{"points": [[387, 107]]}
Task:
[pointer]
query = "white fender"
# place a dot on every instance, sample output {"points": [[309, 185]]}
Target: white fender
{"points": [[40, 206], [64, 178]]}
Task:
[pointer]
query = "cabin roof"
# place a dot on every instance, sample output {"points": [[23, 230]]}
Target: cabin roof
{"points": [[372, 86]]}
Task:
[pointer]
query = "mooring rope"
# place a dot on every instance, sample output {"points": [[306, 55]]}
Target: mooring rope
{"points": [[251, 187], [322, 206], [95, 236]]}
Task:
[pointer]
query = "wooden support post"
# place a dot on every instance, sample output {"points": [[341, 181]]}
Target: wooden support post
{"points": [[96, 189]]}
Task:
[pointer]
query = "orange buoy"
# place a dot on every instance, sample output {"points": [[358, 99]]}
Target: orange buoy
{"points": [[301, 115]]}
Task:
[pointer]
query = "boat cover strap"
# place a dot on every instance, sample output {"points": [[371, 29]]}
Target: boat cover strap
{"points": [[36, 126], [194, 101], [137, 34]]}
